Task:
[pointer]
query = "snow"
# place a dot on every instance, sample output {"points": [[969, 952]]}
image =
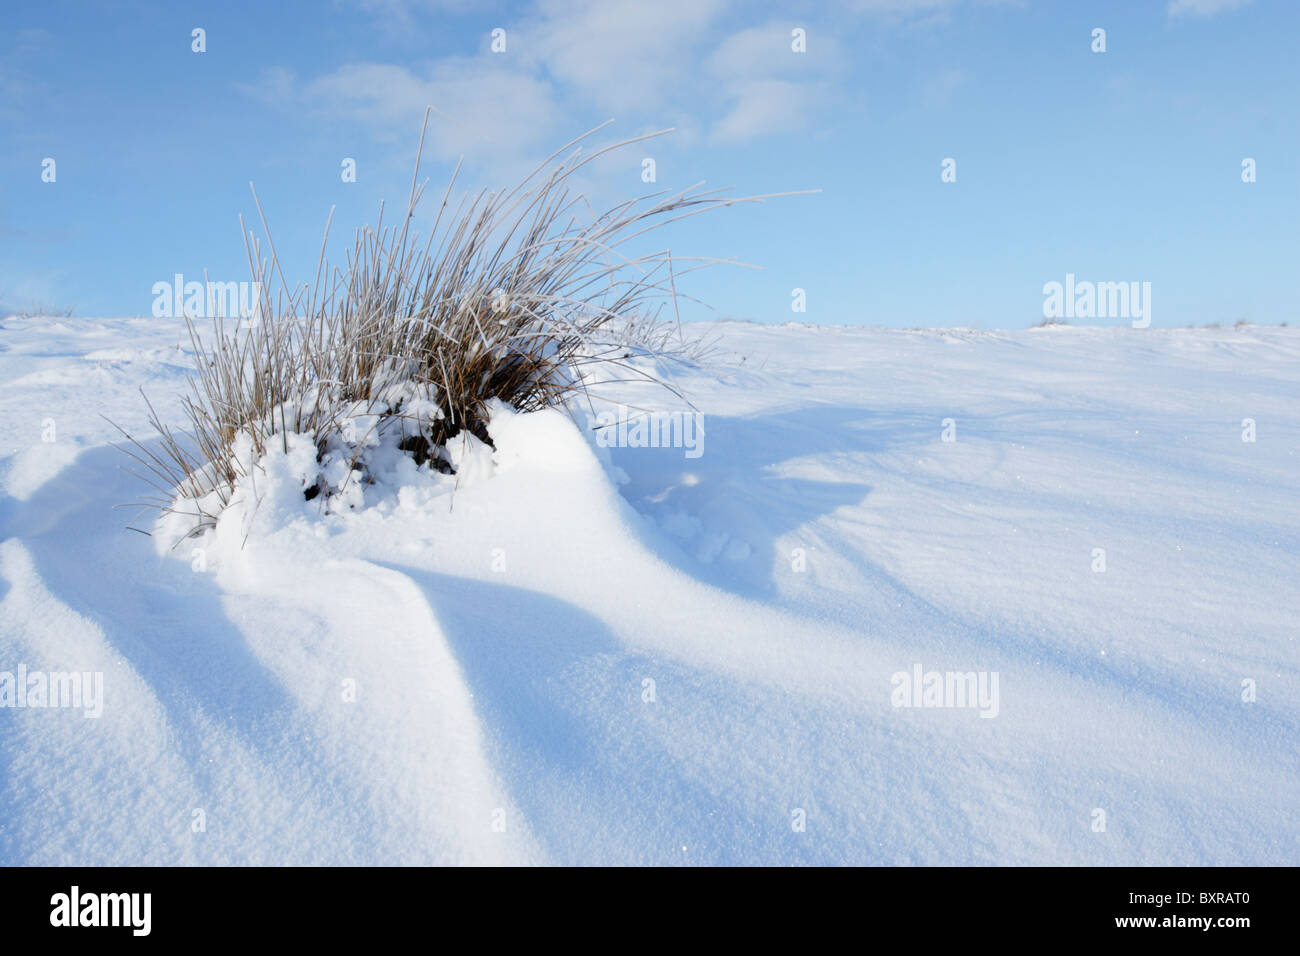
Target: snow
{"points": [[570, 653]]}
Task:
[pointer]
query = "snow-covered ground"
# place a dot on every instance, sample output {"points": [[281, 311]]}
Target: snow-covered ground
{"points": [[581, 655]]}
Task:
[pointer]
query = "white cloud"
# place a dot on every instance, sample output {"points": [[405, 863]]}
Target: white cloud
{"points": [[941, 87], [916, 12], [620, 54], [275, 86], [1203, 8], [483, 104], [895, 8], [758, 51], [763, 107], [401, 19], [648, 66], [766, 87]]}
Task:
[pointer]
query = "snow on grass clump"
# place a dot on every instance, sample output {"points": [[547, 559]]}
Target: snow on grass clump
{"points": [[303, 479], [384, 374]]}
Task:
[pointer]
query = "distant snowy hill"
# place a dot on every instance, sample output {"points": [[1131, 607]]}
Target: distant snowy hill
{"points": [[921, 597]]}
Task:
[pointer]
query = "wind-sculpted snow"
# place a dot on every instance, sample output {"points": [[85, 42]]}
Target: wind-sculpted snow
{"points": [[588, 654]]}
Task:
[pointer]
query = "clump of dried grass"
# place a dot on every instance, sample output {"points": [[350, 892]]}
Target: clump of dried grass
{"points": [[512, 296]]}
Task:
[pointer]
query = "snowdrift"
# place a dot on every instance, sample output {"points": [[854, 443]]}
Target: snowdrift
{"points": [[568, 653]]}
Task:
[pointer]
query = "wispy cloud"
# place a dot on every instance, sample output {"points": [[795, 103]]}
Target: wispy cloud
{"points": [[1203, 8], [19, 78], [899, 8], [483, 106], [403, 20], [33, 291], [917, 12], [621, 55], [637, 62], [767, 87], [762, 107], [942, 87]]}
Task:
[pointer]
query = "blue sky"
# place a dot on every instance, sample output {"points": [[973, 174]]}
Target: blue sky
{"points": [[1115, 166]]}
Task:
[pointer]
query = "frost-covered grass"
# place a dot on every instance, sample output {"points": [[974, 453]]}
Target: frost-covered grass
{"points": [[514, 296]]}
